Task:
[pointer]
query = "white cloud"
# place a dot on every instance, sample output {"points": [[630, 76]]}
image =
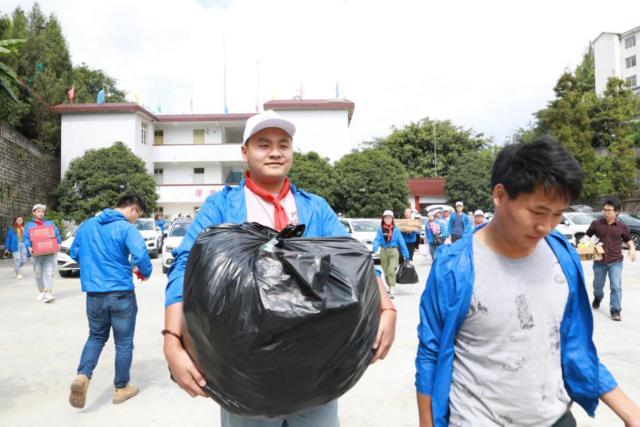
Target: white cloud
{"points": [[483, 64]]}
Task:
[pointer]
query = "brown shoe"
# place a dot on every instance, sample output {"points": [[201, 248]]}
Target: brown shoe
{"points": [[79, 388], [616, 316], [125, 393]]}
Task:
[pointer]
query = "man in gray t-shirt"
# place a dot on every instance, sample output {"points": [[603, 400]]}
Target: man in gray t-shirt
{"points": [[511, 337], [505, 334]]}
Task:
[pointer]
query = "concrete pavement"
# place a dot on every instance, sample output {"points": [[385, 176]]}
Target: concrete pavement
{"points": [[40, 346]]}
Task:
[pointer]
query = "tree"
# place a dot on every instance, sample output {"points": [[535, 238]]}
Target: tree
{"points": [[567, 118], [413, 145], [370, 181], [469, 180], [89, 82], [11, 109], [100, 177], [314, 174]]}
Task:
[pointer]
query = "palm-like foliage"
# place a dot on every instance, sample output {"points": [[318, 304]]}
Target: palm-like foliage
{"points": [[8, 77]]}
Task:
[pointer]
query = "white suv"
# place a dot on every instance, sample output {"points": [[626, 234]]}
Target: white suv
{"points": [[364, 230], [151, 234], [176, 232]]}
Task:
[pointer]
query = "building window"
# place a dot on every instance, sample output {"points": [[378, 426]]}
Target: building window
{"points": [[631, 81], [198, 175], [158, 174], [198, 136], [630, 61], [630, 42], [158, 137], [143, 132]]}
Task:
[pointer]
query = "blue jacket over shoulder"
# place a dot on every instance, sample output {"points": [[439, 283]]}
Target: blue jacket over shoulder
{"points": [[444, 307]]}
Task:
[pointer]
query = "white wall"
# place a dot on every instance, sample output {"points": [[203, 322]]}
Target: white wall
{"points": [[326, 132], [182, 173], [182, 133], [626, 53], [82, 132], [606, 51]]}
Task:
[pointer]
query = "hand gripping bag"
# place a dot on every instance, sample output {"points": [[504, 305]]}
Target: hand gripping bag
{"points": [[275, 322]]}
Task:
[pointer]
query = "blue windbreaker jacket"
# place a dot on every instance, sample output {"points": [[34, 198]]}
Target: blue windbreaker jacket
{"points": [[102, 246], [466, 223], [229, 206], [410, 237], [11, 241], [396, 241], [444, 307], [32, 223]]}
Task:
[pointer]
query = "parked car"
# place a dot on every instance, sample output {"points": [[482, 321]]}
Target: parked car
{"points": [[151, 234], [364, 230], [567, 232], [67, 266], [580, 208], [577, 222], [174, 235]]}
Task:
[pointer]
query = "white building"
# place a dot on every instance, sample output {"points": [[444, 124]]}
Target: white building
{"points": [[194, 155], [617, 55]]}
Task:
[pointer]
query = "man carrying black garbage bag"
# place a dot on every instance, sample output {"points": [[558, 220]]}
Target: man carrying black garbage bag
{"points": [[264, 196]]}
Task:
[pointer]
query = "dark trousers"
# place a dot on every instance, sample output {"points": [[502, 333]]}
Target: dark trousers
{"points": [[566, 420], [412, 248], [106, 311]]}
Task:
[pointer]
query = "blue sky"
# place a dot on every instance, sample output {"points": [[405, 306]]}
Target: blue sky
{"points": [[487, 65]]}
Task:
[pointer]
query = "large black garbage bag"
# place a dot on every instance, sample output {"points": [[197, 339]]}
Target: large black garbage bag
{"points": [[278, 324], [406, 274]]}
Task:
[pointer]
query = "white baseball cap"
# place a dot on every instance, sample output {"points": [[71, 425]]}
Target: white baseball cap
{"points": [[459, 204], [478, 213], [268, 119], [388, 213], [39, 206]]}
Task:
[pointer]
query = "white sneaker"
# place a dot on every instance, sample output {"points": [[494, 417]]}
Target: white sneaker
{"points": [[18, 276], [48, 297], [40, 296]]}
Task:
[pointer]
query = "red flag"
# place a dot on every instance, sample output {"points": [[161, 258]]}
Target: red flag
{"points": [[71, 94]]}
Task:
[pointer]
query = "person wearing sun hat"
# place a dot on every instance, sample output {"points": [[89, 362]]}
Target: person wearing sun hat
{"points": [[388, 240]]}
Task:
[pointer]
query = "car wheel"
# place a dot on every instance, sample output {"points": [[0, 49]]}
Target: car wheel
{"points": [[164, 270], [66, 273], [154, 254], [636, 239], [579, 236]]}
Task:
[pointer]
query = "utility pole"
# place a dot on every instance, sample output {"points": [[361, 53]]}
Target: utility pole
{"points": [[435, 152]]}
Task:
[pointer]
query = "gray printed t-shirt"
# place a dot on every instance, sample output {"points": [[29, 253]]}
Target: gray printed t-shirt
{"points": [[507, 368]]}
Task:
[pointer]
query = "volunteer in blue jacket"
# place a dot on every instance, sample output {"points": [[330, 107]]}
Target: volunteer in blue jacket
{"points": [[388, 240], [410, 238], [44, 266], [109, 248], [264, 196], [505, 334], [459, 223], [14, 243]]}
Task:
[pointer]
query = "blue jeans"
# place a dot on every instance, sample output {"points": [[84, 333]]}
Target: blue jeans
{"points": [[320, 416], [19, 257], [108, 310], [600, 271], [44, 266]]}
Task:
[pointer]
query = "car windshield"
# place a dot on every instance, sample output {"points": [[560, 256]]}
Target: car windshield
{"points": [[365, 225], [179, 229], [580, 218], [629, 219], [144, 225]]}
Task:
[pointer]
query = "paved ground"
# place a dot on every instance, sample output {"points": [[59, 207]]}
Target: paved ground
{"points": [[40, 345]]}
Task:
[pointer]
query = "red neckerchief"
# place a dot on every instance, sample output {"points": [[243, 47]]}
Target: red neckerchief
{"points": [[38, 221], [387, 232], [280, 218]]}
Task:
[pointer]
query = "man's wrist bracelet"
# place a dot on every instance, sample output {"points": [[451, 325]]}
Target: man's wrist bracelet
{"points": [[164, 332]]}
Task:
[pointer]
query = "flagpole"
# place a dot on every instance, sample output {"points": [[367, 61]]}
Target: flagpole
{"points": [[224, 73]]}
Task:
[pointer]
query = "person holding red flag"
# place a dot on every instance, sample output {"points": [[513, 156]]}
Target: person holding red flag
{"points": [[42, 239], [265, 196]]}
